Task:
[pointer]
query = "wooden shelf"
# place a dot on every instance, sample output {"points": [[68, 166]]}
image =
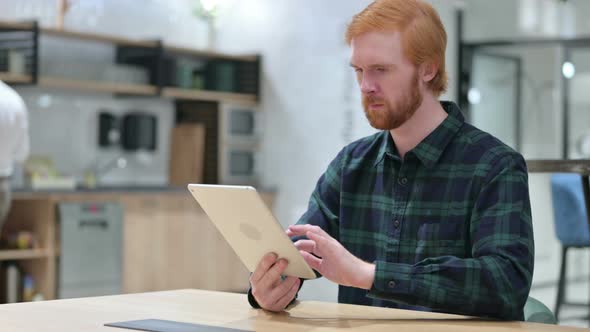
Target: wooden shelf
{"points": [[16, 25], [240, 98], [97, 37], [209, 54], [15, 78], [96, 86], [131, 89], [24, 254]]}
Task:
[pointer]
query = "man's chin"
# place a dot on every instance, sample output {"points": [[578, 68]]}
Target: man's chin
{"points": [[378, 122]]}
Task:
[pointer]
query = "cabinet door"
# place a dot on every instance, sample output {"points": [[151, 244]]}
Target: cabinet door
{"points": [[90, 261], [170, 244], [142, 261]]}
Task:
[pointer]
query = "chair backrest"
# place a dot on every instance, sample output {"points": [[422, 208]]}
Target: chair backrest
{"points": [[535, 311], [569, 210]]}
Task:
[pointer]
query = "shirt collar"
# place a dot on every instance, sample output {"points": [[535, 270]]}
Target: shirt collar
{"points": [[431, 148]]}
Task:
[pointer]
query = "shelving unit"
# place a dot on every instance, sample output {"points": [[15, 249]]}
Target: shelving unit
{"points": [[158, 59], [16, 78], [36, 215], [16, 254], [96, 86], [86, 36], [240, 98]]}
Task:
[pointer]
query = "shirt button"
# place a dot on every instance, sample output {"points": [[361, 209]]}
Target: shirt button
{"points": [[396, 223], [391, 284], [403, 181]]}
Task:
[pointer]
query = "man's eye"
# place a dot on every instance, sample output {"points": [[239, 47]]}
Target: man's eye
{"points": [[358, 70], [380, 69]]}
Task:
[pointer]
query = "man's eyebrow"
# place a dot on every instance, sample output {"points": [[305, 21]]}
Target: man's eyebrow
{"points": [[386, 65]]}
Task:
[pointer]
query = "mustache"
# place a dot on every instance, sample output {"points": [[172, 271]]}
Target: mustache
{"points": [[372, 99]]}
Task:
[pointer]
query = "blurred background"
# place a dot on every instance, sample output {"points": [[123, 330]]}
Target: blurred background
{"points": [[129, 100]]}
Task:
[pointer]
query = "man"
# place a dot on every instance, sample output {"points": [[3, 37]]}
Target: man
{"points": [[429, 214], [14, 141]]}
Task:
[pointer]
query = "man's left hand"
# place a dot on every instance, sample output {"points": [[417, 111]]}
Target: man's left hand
{"points": [[331, 259]]}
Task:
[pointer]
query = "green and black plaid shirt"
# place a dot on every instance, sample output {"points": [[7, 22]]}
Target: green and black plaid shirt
{"points": [[449, 227]]}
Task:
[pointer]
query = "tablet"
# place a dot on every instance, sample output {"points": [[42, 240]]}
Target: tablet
{"points": [[249, 227]]}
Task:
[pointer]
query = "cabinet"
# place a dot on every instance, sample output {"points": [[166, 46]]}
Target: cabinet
{"points": [[168, 241], [36, 215]]}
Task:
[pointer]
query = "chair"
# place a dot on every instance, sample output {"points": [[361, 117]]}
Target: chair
{"points": [[536, 312], [571, 225]]}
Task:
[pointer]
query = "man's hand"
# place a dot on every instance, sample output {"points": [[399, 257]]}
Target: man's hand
{"points": [[333, 261], [270, 291]]}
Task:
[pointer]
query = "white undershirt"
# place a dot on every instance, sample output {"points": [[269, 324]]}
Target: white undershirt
{"points": [[14, 130]]}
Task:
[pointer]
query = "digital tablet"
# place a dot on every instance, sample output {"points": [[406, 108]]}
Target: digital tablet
{"points": [[249, 227]]}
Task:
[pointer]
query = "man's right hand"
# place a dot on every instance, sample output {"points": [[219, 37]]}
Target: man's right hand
{"points": [[270, 291]]}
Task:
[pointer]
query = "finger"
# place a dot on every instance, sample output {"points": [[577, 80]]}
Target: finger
{"points": [[311, 260], [274, 294], [300, 230], [320, 243], [282, 289], [284, 301], [277, 282], [273, 274], [305, 245], [264, 265], [295, 230]]}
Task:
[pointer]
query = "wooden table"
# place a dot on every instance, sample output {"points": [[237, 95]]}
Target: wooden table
{"points": [[232, 310], [577, 166]]}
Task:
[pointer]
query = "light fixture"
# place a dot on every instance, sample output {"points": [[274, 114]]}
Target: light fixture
{"points": [[474, 96], [568, 70], [208, 9], [209, 5]]}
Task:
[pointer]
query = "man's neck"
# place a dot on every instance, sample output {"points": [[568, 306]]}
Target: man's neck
{"points": [[429, 115]]}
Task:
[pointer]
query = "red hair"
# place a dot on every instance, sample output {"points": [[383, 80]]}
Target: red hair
{"points": [[424, 38]]}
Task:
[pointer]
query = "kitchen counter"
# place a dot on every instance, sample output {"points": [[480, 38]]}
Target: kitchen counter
{"points": [[101, 189], [168, 240], [102, 192]]}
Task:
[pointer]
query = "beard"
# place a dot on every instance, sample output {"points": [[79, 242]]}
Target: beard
{"points": [[389, 117]]}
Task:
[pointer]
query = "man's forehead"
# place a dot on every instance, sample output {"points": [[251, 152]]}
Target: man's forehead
{"points": [[376, 48]]}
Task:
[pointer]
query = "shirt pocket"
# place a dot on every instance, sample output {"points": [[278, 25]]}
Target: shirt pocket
{"points": [[441, 238]]}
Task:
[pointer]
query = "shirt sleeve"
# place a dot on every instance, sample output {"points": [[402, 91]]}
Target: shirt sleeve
{"points": [[496, 280], [324, 204], [322, 210]]}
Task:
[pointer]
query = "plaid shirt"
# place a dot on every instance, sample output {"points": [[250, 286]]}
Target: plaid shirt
{"points": [[449, 227]]}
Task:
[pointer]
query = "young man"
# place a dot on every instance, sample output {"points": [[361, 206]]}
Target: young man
{"points": [[429, 214]]}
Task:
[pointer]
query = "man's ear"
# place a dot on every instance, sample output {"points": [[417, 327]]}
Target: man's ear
{"points": [[428, 71]]}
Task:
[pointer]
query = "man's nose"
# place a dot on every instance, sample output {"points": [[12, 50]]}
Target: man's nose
{"points": [[368, 86]]}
